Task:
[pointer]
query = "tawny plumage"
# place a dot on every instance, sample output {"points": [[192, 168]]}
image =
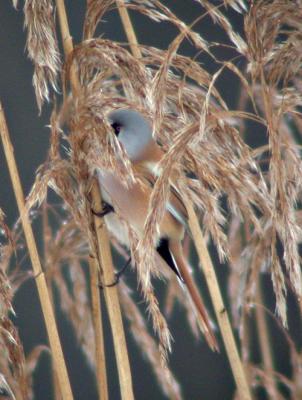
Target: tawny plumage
{"points": [[132, 202]]}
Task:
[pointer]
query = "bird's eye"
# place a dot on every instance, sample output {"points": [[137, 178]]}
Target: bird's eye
{"points": [[116, 127]]}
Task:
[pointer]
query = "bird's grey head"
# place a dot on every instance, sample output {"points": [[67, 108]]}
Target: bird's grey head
{"points": [[132, 130]]}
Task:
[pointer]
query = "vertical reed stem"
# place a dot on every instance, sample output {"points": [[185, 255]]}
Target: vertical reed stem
{"points": [[101, 374], [128, 27], [112, 301], [103, 248], [51, 327], [220, 310], [265, 345], [46, 241]]}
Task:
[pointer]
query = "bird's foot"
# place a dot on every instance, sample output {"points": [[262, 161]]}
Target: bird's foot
{"points": [[117, 275]]}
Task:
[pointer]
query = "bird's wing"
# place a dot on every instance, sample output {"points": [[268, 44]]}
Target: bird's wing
{"points": [[164, 251], [175, 204]]}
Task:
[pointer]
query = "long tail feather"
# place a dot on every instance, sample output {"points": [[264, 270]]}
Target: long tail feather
{"points": [[202, 315]]}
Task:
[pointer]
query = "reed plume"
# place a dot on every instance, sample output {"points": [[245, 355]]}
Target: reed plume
{"points": [[246, 194]]}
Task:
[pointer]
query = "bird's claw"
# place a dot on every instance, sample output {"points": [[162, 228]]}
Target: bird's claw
{"points": [[117, 276], [115, 282]]}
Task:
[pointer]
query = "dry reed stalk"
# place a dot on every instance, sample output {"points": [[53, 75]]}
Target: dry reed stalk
{"points": [[220, 310], [66, 41], [245, 340], [130, 32], [55, 381], [47, 237], [112, 301], [100, 358], [53, 336], [104, 252], [265, 346]]}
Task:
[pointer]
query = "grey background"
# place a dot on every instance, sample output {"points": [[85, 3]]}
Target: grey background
{"points": [[202, 373]]}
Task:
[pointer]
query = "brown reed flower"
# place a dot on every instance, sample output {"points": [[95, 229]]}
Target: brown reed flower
{"points": [[42, 46], [247, 199], [15, 378], [191, 122]]}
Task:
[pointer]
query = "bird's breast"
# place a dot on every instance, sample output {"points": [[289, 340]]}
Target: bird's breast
{"points": [[132, 204], [131, 201]]}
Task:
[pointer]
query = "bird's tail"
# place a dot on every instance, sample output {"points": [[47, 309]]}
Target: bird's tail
{"points": [[203, 320]]}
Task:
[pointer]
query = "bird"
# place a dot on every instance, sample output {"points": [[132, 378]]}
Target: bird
{"points": [[134, 132]]}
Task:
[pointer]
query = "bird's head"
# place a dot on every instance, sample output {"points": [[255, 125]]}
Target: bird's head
{"points": [[133, 131]]}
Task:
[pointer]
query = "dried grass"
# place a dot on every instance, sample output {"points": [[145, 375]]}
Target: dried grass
{"points": [[16, 369], [206, 158], [42, 46]]}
